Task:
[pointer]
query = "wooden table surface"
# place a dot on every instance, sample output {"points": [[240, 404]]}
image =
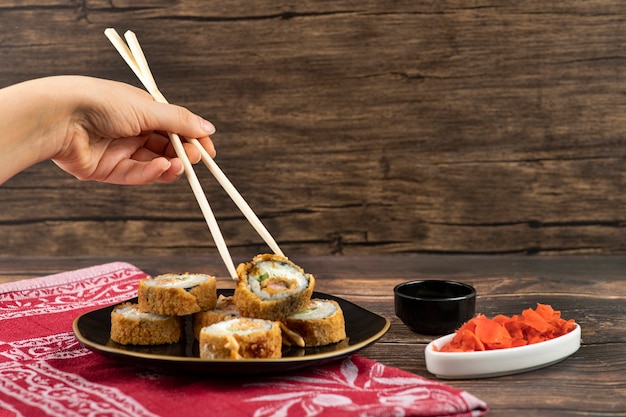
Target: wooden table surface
{"points": [[592, 290]]}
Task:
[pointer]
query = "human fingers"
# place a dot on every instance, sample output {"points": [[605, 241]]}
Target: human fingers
{"points": [[207, 144], [161, 145], [175, 119], [133, 172]]}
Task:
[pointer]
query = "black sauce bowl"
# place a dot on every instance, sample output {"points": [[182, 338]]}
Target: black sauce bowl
{"points": [[434, 307]]}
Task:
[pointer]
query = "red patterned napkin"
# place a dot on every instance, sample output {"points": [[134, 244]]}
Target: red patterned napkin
{"points": [[45, 371]]}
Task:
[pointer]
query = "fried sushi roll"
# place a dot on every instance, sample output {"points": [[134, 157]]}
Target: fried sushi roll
{"points": [[224, 310], [272, 287], [241, 338], [320, 323], [131, 326], [177, 294]]}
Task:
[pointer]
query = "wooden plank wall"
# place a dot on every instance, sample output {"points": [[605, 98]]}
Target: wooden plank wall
{"points": [[351, 127]]}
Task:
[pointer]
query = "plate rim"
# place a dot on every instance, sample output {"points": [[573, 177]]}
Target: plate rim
{"points": [[303, 360]]}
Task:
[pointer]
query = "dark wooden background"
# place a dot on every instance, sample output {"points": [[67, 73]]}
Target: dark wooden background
{"points": [[351, 127]]}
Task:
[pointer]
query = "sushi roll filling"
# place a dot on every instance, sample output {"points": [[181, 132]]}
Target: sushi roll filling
{"points": [[276, 280], [316, 309], [133, 312], [240, 326], [245, 325], [184, 281]]}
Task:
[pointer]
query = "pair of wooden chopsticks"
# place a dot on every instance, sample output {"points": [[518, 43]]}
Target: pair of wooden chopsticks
{"points": [[136, 60]]}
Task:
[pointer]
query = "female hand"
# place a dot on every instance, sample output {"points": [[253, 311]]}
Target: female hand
{"points": [[95, 130]]}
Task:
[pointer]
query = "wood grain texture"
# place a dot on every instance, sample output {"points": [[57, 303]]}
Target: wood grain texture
{"points": [[590, 289], [351, 127]]}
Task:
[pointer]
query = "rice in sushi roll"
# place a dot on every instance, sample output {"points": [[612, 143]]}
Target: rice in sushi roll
{"points": [[131, 326], [177, 294], [320, 323], [241, 338], [224, 310], [272, 287]]}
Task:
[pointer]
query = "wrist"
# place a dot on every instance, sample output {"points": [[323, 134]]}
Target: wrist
{"points": [[35, 117]]}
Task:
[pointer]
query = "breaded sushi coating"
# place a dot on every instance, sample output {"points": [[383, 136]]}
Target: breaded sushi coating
{"points": [[272, 287], [241, 338], [224, 310], [177, 294], [320, 323], [131, 326]]}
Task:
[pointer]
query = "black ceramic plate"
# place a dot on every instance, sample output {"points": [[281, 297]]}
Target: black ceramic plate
{"points": [[362, 328]]}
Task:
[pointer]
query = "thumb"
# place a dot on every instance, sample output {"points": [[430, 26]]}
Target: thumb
{"points": [[176, 119]]}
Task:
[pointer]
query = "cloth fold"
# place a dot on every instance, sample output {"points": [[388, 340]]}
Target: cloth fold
{"points": [[45, 371]]}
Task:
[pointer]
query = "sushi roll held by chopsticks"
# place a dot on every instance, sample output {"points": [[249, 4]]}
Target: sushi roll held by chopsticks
{"points": [[272, 287]]}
